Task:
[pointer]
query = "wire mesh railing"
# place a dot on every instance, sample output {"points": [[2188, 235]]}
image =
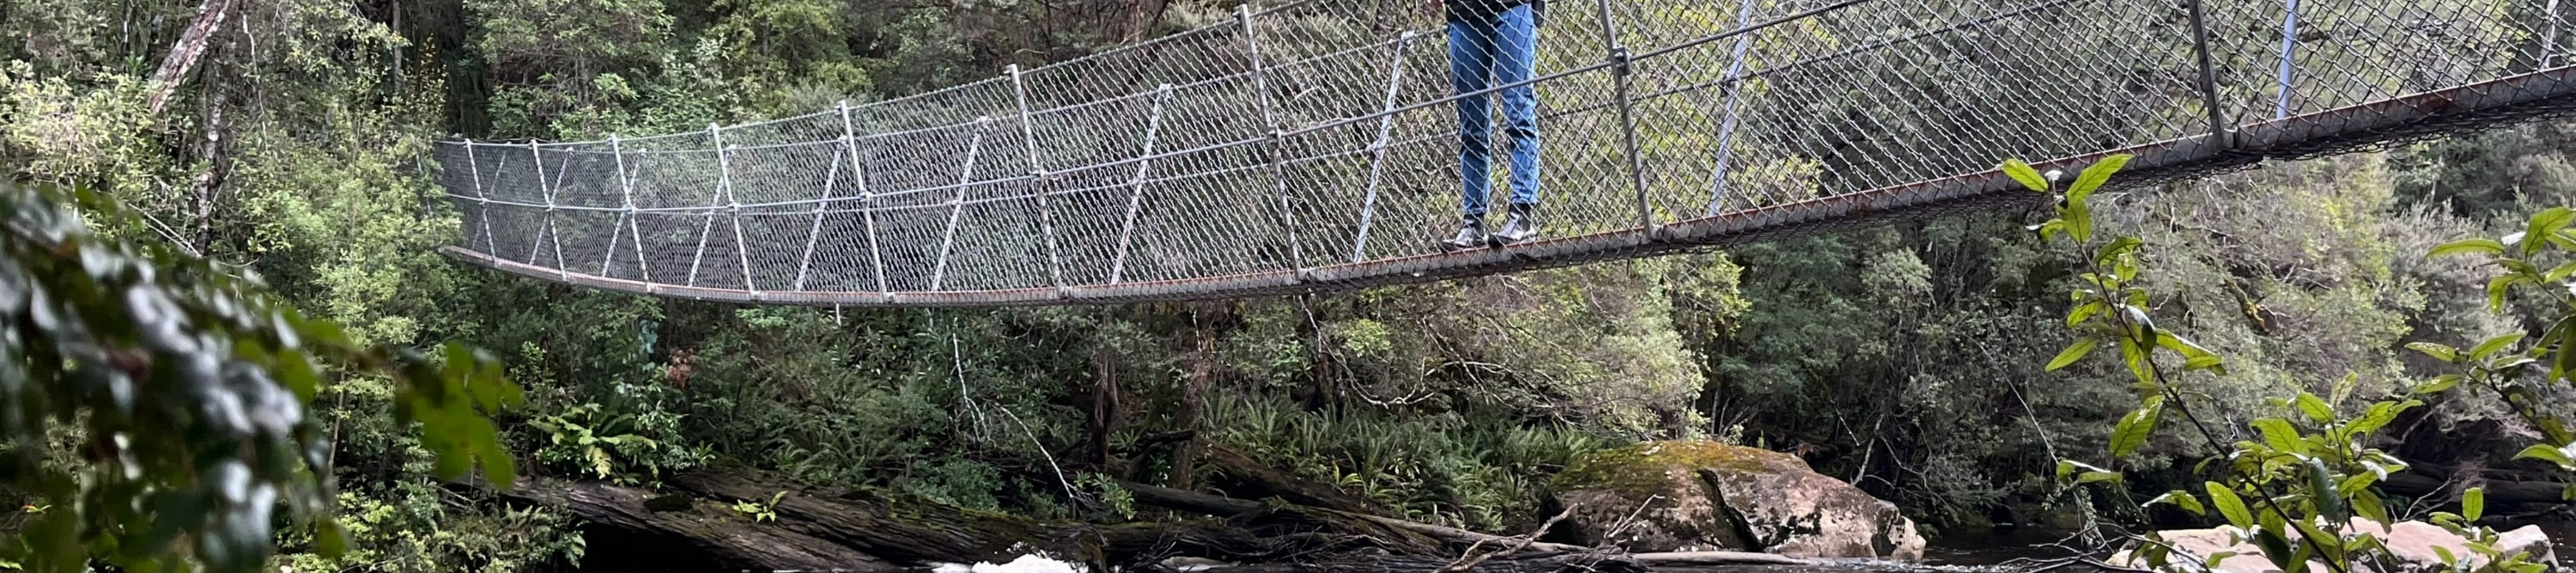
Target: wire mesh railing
{"points": [[1315, 145]]}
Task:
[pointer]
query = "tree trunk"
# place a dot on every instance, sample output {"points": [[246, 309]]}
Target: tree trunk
{"points": [[1104, 403], [1202, 366], [701, 526], [184, 55], [1252, 479]]}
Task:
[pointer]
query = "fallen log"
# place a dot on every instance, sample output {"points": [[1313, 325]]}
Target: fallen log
{"points": [[1252, 479], [703, 527]]}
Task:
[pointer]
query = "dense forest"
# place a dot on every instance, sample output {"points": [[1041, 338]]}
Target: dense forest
{"points": [[288, 139]]}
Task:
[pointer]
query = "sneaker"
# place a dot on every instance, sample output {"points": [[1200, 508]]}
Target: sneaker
{"points": [[1471, 234], [1517, 227]]}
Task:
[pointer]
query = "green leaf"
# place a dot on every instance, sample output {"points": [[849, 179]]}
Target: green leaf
{"points": [[2496, 290], [2439, 384], [2079, 221], [2560, 273], [2315, 408], [2028, 177], [2134, 428], [2067, 468], [2095, 175], [2072, 353], [2492, 345], [2378, 416], [2281, 436], [2356, 483], [2229, 505], [2473, 503], [2488, 246], [2093, 477], [2547, 453], [2083, 311], [2544, 223], [2180, 499], [2437, 351], [2368, 505]]}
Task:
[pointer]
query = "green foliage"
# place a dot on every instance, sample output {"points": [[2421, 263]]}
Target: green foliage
{"points": [[2309, 476], [760, 512], [186, 386]]}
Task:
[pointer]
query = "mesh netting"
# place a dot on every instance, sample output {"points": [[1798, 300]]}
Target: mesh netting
{"points": [[1316, 145]]}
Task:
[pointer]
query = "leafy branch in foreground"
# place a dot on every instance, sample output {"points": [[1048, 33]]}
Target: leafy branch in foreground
{"points": [[2300, 493], [180, 391], [2514, 369]]}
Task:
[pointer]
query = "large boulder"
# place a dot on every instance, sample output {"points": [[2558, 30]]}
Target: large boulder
{"points": [[1700, 495], [2417, 547]]}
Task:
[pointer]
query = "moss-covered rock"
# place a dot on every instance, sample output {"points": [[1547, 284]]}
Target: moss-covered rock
{"points": [[1701, 495]]}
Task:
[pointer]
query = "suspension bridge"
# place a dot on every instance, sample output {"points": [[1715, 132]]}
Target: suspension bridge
{"points": [[1312, 146]]}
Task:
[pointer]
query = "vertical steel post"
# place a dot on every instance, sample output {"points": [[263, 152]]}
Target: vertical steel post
{"points": [[482, 200], [616, 227], [1734, 90], [733, 205], [626, 189], [1270, 124], [709, 227], [2549, 39], [867, 196], [1377, 147], [2289, 57], [957, 206], [555, 238], [2208, 76], [1619, 72], [1136, 183], [814, 234], [1039, 181]]}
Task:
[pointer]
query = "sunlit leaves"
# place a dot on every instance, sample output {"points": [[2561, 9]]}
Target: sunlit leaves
{"points": [[2229, 505], [2094, 176], [2023, 173], [2564, 456], [2466, 246], [2134, 428], [2545, 223], [2182, 500], [2073, 352]]}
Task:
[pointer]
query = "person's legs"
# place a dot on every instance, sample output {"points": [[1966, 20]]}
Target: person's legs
{"points": [[1516, 60], [1471, 61]]}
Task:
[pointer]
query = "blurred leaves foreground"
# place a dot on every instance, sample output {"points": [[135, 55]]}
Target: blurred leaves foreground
{"points": [[155, 403]]}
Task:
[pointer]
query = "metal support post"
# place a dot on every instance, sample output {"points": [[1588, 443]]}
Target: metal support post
{"points": [[1377, 147], [626, 186], [957, 206], [2549, 38], [733, 205], [867, 196], [1136, 183], [482, 200], [1039, 181], [1619, 72], [555, 238], [2218, 131], [814, 234], [2289, 57], [1270, 123], [708, 228], [1734, 91]]}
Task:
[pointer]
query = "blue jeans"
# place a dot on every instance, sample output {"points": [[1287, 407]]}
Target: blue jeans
{"points": [[1486, 50]]}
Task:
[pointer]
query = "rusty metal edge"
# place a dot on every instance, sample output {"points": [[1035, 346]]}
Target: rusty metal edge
{"points": [[2253, 142]]}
